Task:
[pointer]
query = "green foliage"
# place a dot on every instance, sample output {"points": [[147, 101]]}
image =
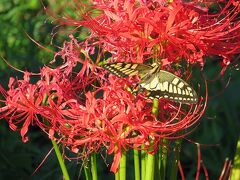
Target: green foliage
{"points": [[18, 19]]}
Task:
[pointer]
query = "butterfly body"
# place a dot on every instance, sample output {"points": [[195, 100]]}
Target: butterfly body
{"points": [[158, 83]]}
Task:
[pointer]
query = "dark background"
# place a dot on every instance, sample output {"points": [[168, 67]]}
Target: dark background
{"points": [[218, 130]]}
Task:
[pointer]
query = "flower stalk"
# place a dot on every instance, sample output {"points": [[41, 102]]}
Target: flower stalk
{"points": [[123, 165], [150, 163], [175, 159], [236, 165], [150, 158], [163, 158], [87, 173], [117, 175], [136, 164], [61, 161], [94, 166], [143, 162]]}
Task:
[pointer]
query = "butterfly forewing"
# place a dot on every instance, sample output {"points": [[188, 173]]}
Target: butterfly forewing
{"points": [[157, 83], [122, 69]]}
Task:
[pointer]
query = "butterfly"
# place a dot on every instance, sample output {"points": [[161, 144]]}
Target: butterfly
{"points": [[156, 82]]}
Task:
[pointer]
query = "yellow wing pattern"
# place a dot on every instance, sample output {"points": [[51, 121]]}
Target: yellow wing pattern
{"points": [[157, 83]]}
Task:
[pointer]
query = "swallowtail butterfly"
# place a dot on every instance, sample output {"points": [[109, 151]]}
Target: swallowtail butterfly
{"points": [[158, 83]]}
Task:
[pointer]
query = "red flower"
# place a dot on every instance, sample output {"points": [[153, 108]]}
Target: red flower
{"points": [[87, 117], [86, 111], [54, 92], [137, 30]]}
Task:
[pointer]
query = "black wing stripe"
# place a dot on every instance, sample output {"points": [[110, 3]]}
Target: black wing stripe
{"points": [[122, 69], [173, 97], [167, 85], [157, 83]]}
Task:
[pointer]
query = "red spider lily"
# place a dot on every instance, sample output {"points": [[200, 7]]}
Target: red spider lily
{"points": [[86, 117], [118, 122], [137, 30], [85, 111], [25, 101]]}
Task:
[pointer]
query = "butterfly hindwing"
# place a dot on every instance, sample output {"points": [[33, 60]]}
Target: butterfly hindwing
{"points": [[167, 85], [158, 83]]}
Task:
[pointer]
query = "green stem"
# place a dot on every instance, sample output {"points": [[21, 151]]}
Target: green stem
{"points": [[150, 167], [136, 164], [143, 163], [162, 155], [163, 158], [236, 166], [155, 107], [176, 156], [87, 172], [94, 166], [157, 165], [123, 163], [117, 175], [45, 98], [60, 160], [56, 149]]}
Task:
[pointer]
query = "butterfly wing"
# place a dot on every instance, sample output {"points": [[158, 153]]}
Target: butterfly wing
{"points": [[158, 83], [122, 69], [167, 85]]}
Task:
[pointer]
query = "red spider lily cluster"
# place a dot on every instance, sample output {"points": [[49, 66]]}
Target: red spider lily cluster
{"points": [[170, 30], [78, 105]]}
